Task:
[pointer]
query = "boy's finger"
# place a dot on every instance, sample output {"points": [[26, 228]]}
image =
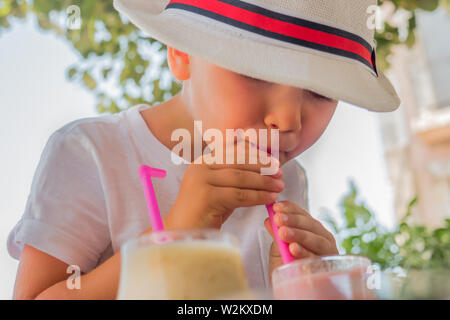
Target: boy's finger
{"points": [[310, 241], [286, 206], [303, 222], [244, 180], [248, 166], [298, 252], [252, 159], [232, 198]]}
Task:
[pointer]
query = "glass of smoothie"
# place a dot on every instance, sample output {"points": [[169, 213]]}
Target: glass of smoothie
{"points": [[323, 278], [175, 265]]}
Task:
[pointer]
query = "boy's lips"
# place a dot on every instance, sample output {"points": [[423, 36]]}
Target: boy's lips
{"points": [[269, 150], [265, 148]]}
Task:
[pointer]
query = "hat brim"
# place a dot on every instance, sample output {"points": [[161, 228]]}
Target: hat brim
{"points": [[334, 77]]}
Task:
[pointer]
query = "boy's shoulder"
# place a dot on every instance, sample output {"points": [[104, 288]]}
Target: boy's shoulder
{"points": [[98, 130], [91, 124]]}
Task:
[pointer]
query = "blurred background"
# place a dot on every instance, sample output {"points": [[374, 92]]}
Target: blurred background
{"points": [[381, 182]]}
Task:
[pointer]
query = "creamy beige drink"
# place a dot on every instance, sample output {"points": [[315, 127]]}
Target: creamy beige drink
{"points": [[186, 269]]}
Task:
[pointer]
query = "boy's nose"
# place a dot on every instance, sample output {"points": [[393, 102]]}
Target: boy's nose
{"points": [[284, 117]]}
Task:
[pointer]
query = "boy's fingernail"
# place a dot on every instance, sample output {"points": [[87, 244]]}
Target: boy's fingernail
{"points": [[278, 206], [283, 217], [279, 184], [296, 248], [273, 196], [289, 232]]}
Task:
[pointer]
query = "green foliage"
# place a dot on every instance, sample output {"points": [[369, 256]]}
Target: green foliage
{"points": [[114, 54], [117, 62], [391, 36], [409, 246]]}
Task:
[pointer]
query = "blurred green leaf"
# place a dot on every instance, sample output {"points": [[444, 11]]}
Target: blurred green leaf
{"points": [[89, 81], [428, 5], [106, 72], [71, 73], [408, 246]]}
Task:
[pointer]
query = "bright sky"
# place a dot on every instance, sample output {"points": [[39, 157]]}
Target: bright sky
{"points": [[36, 99]]}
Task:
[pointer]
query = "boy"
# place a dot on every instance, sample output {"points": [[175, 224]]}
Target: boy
{"points": [[274, 65]]}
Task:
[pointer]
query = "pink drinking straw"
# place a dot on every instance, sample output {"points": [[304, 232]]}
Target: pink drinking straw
{"points": [[286, 255], [146, 173]]}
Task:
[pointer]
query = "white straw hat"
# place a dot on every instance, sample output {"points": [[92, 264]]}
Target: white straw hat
{"points": [[322, 45]]}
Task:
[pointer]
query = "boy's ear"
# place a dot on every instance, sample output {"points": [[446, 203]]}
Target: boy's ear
{"points": [[178, 63]]}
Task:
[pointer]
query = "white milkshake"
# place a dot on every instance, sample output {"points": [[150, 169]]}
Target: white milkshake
{"points": [[186, 269]]}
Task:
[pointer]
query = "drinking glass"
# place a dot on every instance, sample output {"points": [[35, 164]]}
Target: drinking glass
{"points": [[323, 278], [193, 264]]}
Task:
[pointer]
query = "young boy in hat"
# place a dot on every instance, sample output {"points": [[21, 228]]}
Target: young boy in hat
{"points": [[254, 64]]}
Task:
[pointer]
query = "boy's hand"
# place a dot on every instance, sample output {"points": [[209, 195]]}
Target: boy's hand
{"points": [[306, 236], [209, 193]]}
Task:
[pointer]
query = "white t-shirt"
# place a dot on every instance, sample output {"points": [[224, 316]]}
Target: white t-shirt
{"points": [[86, 198]]}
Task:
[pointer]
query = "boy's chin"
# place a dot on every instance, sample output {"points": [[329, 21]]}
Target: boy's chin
{"points": [[287, 156]]}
